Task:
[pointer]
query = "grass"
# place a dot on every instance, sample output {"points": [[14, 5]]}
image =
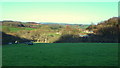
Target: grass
{"points": [[12, 29], [15, 29], [84, 27], [61, 54], [53, 34], [26, 28]]}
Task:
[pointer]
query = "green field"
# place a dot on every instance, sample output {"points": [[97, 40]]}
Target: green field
{"points": [[61, 54], [15, 29]]}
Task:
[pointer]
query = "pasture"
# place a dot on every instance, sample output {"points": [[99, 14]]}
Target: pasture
{"points": [[60, 54], [15, 29]]}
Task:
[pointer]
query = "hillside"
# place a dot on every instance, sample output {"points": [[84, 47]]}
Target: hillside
{"points": [[103, 32], [37, 32], [109, 29], [110, 22]]}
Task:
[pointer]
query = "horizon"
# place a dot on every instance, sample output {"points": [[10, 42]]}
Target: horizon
{"points": [[59, 12], [44, 22]]}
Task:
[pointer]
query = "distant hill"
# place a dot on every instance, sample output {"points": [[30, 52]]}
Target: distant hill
{"points": [[12, 23], [18, 23], [58, 23], [34, 24], [110, 22]]}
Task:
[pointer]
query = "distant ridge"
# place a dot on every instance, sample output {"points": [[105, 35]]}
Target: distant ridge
{"points": [[61, 23], [42, 22]]}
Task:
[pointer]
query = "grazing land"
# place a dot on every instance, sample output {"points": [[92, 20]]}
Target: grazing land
{"points": [[60, 54], [59, 34]]}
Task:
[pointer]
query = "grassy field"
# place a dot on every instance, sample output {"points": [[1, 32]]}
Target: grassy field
{"points": [[61, 54], [15, 29]]}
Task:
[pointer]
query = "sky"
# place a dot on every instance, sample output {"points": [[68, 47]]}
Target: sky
{"points": [[59, 12], [59, 0]]}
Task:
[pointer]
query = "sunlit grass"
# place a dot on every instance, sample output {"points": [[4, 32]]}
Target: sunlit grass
{"points": [[15, 29], [61, 54]]}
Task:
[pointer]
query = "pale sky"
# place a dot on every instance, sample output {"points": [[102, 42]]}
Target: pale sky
{"points": [[60, 0], [59, 12]]}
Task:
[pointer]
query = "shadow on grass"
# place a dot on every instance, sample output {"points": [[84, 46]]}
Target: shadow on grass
{"points": [[6, 38], [91, 38]]}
